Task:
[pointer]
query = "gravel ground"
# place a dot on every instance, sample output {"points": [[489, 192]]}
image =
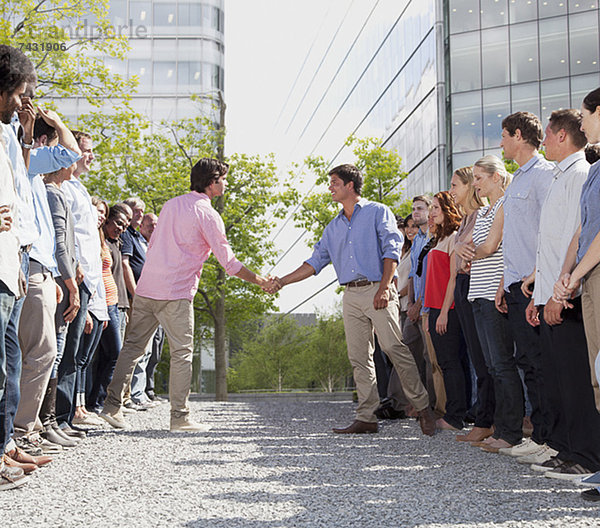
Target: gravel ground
{"points": [[273, 463]]}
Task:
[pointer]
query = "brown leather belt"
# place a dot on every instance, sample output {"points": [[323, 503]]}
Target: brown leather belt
{"points": [[356, 284]]}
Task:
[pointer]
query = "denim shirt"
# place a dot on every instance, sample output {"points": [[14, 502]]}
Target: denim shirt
{"points": [[590, 210], [523, 202], [357, 247], [418, 244]]}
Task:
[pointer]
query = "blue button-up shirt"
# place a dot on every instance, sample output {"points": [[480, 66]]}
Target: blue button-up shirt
{"points": [[357, 247], [44, 160], [523, 202], [418, 244], [590, 210]]}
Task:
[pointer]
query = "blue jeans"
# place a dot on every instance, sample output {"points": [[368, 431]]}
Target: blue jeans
{"points": [[12, 391], [87, 348], [498, 350], [106, 356], [67, 370], [7, 302]]}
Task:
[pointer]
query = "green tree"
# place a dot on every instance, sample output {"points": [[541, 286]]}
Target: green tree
{"points": [[64, 39], [382, 172], [273, 359]]}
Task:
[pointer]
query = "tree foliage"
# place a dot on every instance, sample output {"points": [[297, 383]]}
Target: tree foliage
{"points": [[64, 39], [382, 173]]}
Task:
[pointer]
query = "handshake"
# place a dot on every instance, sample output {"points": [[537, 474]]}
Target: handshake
{"points": [[272, 284]]}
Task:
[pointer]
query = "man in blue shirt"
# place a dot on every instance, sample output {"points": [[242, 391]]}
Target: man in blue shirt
{"points": [[363, 244]]}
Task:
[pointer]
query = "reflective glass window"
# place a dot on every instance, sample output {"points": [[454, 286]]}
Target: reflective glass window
{"points": [[165, 76], [142, 69], [522, 10], [524, 62], [525, 98], [465, 62], [164, 14], [583, 35], [116, 66], [555, 96], [140, 12], [581, 85], [189, 14], [465, 159], [494, 13], [117, 12], [548, 8], [214, 19], [189, 75], [554, 61], [581, 5], [496, 106], [494, 56], [466, 122], [207, 72], [464, 15]]}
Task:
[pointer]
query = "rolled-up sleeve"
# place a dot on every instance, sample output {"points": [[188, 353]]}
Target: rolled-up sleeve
{"points": [[391, 238], [320, 257], [214, 233]]}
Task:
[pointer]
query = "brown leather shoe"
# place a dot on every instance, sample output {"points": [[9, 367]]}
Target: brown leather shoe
{"points": [[427, 421], [19, 455], [358, 427], [477, 434], [27, 468]]}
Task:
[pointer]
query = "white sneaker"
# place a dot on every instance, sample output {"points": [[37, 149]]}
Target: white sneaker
{"points": [[526, 447], [185, 424], [538, 457], [117, 420]]}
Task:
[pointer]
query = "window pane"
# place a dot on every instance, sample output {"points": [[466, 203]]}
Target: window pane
{"points": [[140, 13], [550, 8], [496, 106], [466, 159], [493, 13], [465, 62], [116, 66], [526, 98], [581, 85], [555, 96], [142, 69], [466, 122], [214, 19], [165, 77], [464, 15], [494, 48], [189, 14], [189, 76], [581, 5], [524, 52], [583, 33], [522, 10], [117, 12], [553, 48]]}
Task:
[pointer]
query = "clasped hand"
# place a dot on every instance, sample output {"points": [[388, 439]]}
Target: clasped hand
{"points": [[272, 285]]}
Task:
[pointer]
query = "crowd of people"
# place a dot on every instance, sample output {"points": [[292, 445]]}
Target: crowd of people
{"points": [[482, 306]]}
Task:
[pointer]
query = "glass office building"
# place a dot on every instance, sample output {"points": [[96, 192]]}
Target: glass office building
{"points": [[511, 55], [177, 50]]}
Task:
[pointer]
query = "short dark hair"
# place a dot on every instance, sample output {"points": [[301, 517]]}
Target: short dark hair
{"points": [[206, 172], [41, 128], [592, 100], [592, 153], [569, 120], [529, 124], [117, 209], [423, 198], [15, 69], [79, 135], [349, 173]]}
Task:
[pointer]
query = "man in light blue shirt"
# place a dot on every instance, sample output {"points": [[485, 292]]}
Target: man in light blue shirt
{"points": [[364, 244], [522, 135]]}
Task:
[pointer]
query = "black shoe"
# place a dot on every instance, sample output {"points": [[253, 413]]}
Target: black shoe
{"points": [[70, 431], [591, 495], [386, 411]]}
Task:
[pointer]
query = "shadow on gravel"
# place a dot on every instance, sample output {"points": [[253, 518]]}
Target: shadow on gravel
{"points": [[391, 479]]}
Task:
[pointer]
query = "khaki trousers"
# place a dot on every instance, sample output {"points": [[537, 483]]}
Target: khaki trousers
{"points": [[37, 339], [360, 318], [437, 375], [177, 318], [590, 304]]}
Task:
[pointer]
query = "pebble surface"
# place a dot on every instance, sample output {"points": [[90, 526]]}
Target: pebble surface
{"points": [[275, 463]]}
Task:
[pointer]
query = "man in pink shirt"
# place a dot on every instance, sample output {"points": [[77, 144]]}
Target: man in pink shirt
{"points": [[188, 230]]}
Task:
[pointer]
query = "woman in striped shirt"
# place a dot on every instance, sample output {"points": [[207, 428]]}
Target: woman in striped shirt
{"points": [[485, 255]]}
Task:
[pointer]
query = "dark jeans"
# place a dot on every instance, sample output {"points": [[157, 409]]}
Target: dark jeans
{"points": [[575, 425], [448, 350], [7, 302], [85, 354], [12, 390], [106, 359], [484, 416], [67, 370], [157, 346], [498, 350], [529, 359]]}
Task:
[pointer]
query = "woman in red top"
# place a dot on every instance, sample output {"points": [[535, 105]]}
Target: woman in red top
{"points": [[444, 326]]}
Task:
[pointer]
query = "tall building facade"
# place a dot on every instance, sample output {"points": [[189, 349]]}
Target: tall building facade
{"points": [[177, 50]]}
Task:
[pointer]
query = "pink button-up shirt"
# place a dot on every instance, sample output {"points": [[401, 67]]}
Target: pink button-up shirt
{"points": [[188, 229]]}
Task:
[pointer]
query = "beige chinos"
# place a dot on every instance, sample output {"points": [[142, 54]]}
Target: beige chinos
{"points": [[590, 305]]}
